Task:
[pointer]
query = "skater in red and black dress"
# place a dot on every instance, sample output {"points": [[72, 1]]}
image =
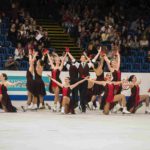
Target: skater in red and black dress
{"points": [[66, 90], [56, 67], [30, 80], [39, 83], [109, 96], [98, 69], [135, 100], [5, 102], [114, 67]]}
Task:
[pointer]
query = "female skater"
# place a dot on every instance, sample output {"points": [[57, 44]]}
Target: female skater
{"points": [[39, 83], [66, 90], [136, 99], [5, 102], [109, 96], [30, 81], [57, 67], [114, 67], [98, 69]]}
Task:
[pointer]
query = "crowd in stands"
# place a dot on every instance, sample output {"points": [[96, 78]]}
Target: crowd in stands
{"points": [[90, 23], [95, 23], [23, 34]]}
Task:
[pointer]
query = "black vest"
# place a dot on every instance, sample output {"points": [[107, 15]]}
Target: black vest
{"points": [[83, 72], [73, 73]]}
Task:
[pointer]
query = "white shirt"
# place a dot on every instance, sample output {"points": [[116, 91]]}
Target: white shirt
{"points": [[77, 64]]}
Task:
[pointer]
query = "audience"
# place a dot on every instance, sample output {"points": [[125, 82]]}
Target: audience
{"points": [[99, 26], [91, 23], [11, 64], [19, 52]]}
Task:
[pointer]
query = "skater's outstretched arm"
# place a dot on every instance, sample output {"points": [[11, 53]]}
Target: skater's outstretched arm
{"points": [[50, 61], [99, 82], [62, 63], [12, 84], [118, 60], [98, 54], [108, 63], [70, 56], [58, 83], [77, 83]]}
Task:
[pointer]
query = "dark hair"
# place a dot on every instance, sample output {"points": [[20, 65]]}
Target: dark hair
{"points": [[131, 77], [95, 65], [5, 76], [41, 62]]}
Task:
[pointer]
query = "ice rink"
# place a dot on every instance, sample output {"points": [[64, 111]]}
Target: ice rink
{"points": [[44, 130]]}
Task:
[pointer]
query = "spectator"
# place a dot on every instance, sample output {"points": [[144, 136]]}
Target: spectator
{"points": [[144, 43], [11, 64], [135, 43], [12, 34], [19, 52], [46, 40]]}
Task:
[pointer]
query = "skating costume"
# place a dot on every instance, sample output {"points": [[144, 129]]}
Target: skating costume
{"points": [[134, 98], [89, 94], [66, 91], [55, 75], [117, 77], [73, 74], [6, 102], [109, 95], [98, 89], [0, 89], [30, 83], [39, 84]]}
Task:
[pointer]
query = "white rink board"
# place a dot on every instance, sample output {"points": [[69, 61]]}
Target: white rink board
{"points": [[145, 78]]}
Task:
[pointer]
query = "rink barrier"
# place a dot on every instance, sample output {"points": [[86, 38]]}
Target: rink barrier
{"points": [[19, 92]]}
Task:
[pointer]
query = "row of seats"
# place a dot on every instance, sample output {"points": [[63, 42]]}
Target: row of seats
{"points": [[23, 65], [7, 51], [135, 67], [133, 59], [133, 63], [138, 52], [5, 43]]}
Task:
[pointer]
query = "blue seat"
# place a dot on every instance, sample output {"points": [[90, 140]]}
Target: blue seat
{"points": [[2, 57], [8, 44], [1, 43], [139, 59], [10, 50], [129, 59], [3, 50], [123, 59], [24, 65], [6, 20], [2, 65], [133, 52], [2, 38], [141, 53], [3, 25], [126, 67], [136, 67], [145, 67], [4, 31]]}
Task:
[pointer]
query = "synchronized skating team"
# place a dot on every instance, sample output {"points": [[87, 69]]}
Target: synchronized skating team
{"points": [[78, 89]]}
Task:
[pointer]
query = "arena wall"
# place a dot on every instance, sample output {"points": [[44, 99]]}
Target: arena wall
{"points": [[19, 92]]}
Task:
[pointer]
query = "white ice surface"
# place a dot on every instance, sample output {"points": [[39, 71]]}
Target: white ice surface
{"points": [[44, 130]]}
